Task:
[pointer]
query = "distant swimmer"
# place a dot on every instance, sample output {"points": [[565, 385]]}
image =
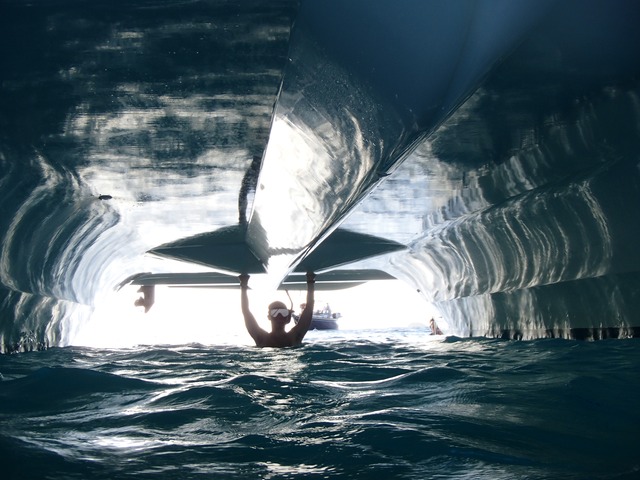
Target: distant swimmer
{"points": [[434, 327], [279, 315]]}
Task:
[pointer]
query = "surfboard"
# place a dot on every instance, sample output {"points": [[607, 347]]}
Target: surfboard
{"points": [[332, 280]]}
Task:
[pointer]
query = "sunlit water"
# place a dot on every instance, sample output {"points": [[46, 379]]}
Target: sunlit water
{"points": [[396, 404]]}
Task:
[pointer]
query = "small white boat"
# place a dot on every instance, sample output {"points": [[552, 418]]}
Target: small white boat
{"points": [[324, 319]]}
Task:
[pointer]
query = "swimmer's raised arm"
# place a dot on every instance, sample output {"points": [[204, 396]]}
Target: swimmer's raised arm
{"points": [[257, 333], [300, 330]]}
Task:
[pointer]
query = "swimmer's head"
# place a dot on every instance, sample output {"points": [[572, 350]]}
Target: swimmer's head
{"points": [[278, 312]]}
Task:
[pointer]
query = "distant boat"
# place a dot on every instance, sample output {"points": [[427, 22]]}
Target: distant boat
{"points": [[323, 319]]}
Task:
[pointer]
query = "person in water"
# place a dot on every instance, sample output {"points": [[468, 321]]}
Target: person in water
{"points": [[280, 316], [435, 330]]}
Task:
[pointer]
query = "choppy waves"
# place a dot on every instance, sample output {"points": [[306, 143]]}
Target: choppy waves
{"points": [[338, 407]]}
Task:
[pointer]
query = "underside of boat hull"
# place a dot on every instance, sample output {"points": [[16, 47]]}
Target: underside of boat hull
{"points": [[485, 153]]}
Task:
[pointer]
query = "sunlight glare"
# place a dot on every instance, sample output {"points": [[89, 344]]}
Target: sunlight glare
{"points": [[211, 316]]}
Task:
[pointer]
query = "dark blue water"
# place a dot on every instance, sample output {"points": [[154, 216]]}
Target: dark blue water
{"points": [[395, 405]]}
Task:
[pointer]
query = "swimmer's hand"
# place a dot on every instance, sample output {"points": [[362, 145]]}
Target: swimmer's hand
{"points": [[311, 277], [244, 280]]}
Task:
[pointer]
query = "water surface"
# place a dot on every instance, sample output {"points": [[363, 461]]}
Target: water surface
{"points": [[396, 404]]}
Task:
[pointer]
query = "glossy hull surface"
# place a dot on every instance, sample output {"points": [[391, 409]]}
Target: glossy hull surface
{"points": [[496, 141]]}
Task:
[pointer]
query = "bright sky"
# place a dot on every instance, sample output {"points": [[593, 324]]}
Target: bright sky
{"points": [[212, 316]]}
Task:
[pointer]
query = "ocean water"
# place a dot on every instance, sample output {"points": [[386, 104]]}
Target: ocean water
{"points": [[385, 404]]}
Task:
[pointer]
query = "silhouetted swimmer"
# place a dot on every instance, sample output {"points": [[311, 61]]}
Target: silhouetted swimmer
{"points": [[148, 297], [279, 315], [434, 327]]}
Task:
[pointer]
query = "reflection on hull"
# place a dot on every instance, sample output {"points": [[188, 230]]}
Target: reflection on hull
{"points": [[497, 143], [581, 309], [524, 221]]}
